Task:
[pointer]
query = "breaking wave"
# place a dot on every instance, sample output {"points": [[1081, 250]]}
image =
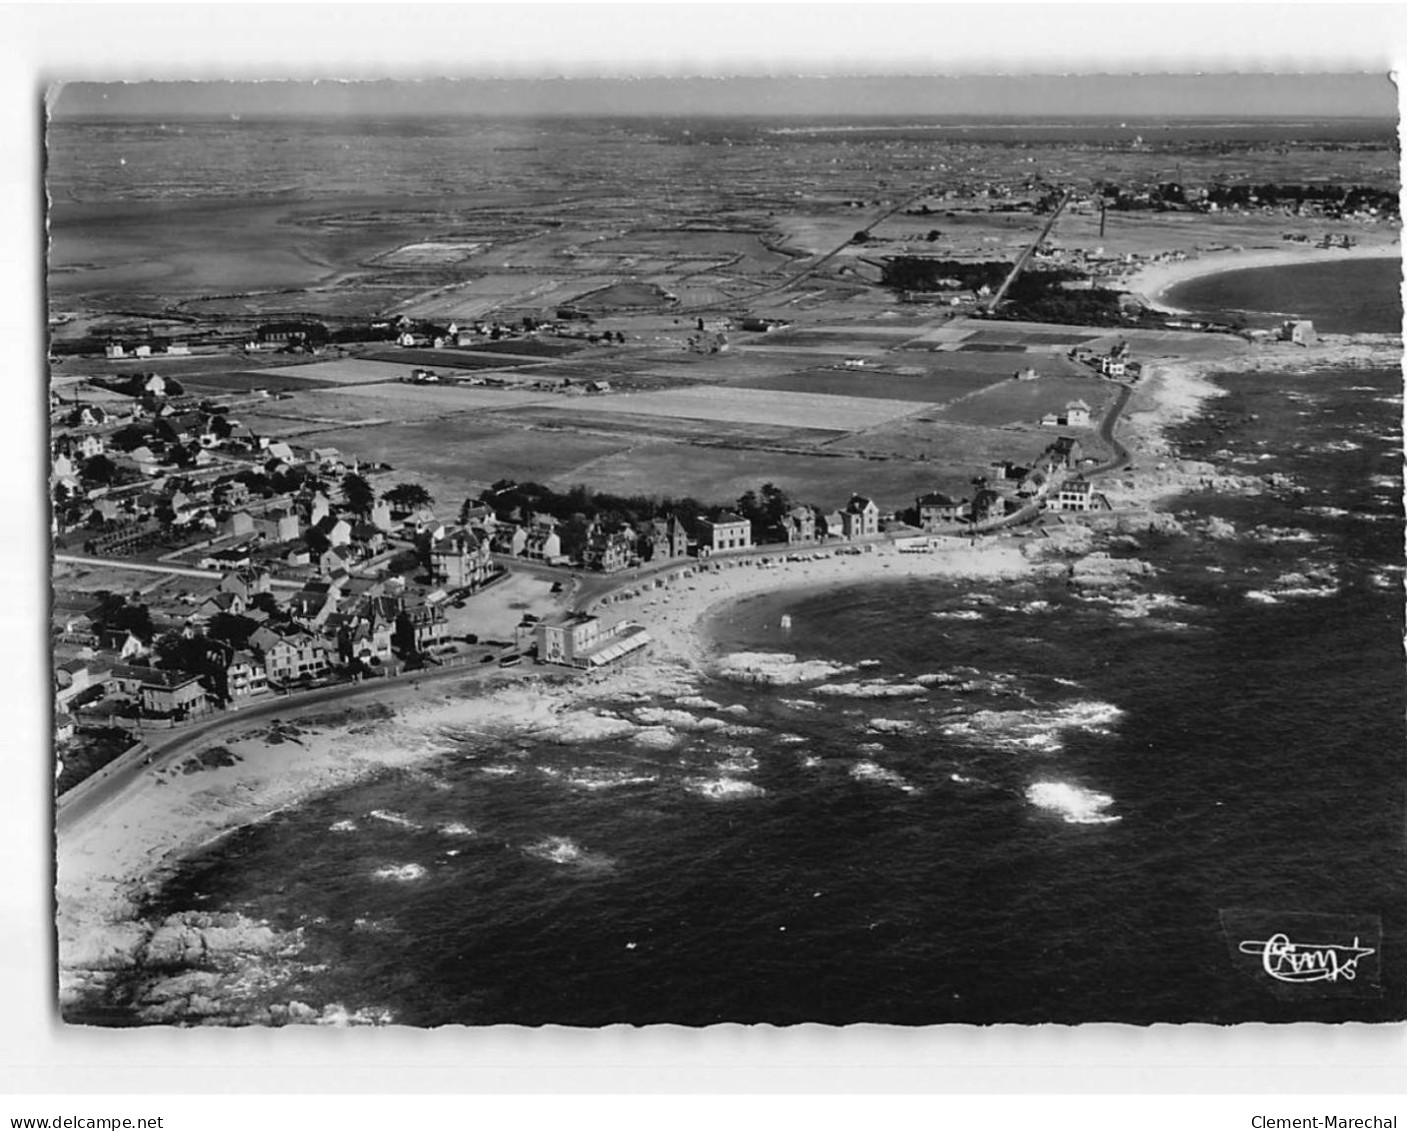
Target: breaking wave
{"points": [[723, 788], [872, 689], [397, 819], [1075, 804], [1039, 730], [403, 873], [874, 772], [778, 669], [565, 851]]}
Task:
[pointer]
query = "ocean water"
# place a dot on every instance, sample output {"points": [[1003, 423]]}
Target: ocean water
{"points": [[1342, 297]]}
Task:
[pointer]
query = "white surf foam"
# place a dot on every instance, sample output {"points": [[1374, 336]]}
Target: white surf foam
{"points": [[873, 772], [872, 689], [397, 819], [601, 777], [402, 873], [894, 726], [1037, 730], [723, 788], [656, 738], [1075, 804], [777, 668]]}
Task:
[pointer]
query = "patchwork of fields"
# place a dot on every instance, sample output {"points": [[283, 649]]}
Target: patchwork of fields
{"points": [[932, 407]]}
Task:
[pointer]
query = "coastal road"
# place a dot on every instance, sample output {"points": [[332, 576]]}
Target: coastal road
{"points": [[165, 745], [1106, 433]]}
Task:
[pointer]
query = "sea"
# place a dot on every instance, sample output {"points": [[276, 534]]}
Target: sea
{"points": [[954, 802], [1340, 296]]}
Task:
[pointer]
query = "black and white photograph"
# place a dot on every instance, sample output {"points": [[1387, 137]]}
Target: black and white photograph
{"points": [[891, 547]]}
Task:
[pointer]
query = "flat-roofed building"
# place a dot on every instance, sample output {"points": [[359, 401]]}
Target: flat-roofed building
{"points": [[561, 640], [728, 531]]}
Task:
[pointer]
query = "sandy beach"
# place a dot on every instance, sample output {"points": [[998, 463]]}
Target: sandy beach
{"points": [[673, 613], [251, 768], [1152, 282]]}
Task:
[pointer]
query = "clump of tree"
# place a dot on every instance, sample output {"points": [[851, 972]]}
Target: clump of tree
{"points": [[117, 614], [915, 273], [360, 494], [580, 509], [409, 497], [518, 502], [100, 471], [765, 509]]}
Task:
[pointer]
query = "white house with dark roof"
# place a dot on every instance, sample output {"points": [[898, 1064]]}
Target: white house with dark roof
{"points": [[1075, 495], [860, 518], [728, 531], [936, 509]]}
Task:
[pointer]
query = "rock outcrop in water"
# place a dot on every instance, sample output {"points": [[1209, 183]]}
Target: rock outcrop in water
{"points": [[1100, 571], [193, 967]]}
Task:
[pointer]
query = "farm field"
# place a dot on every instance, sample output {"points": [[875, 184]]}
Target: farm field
{"points": [[372, 404], [1144, 344], [734, 365], [458, 457], [864, 332], [475, 298], [348, 371], [745, 251], [934, 386], [245, 381], [563, 415], [350, 300], [1031, 338], [813, 347], [526, 347], [975, 369], [721, 474], [735, 404], [445, 361], [934, 441], [1025, 402], [449, 398]]}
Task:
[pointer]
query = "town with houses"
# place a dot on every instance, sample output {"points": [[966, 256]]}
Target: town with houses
{"points": [[266, 568]]}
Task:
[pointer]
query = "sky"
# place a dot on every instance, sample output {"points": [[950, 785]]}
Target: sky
{"points": [[1249, 95]]}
